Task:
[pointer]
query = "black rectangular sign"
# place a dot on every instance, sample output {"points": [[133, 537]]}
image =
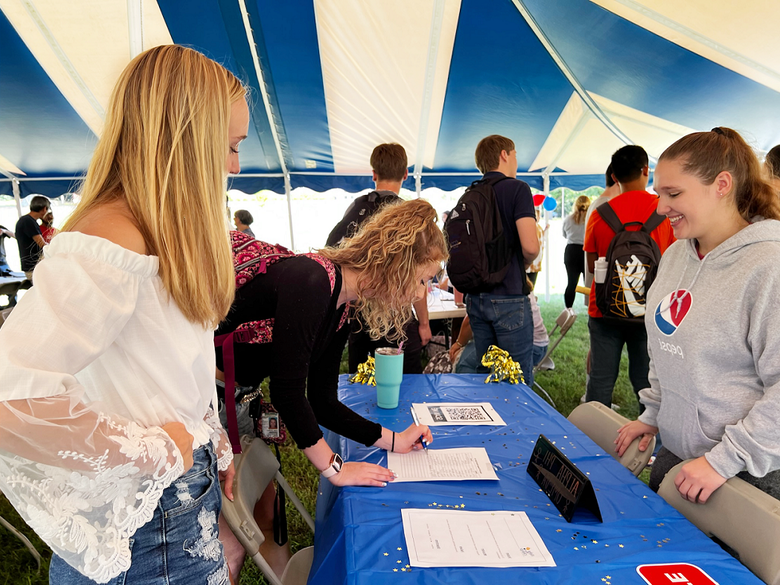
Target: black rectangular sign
{"points": [[566, 486]]}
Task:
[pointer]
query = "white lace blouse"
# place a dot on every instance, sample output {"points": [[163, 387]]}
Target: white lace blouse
{"points": [[93, 361]]}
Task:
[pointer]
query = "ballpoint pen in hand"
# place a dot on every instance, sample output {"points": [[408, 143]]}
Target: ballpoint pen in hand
{"points": [[417, 423]]}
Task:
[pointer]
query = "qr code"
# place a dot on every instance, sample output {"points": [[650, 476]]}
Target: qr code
{"points": [[466, 414]]}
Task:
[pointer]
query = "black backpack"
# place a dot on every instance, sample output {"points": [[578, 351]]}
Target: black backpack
{"points": [[361, 209], [632, 264], [480, 254]]}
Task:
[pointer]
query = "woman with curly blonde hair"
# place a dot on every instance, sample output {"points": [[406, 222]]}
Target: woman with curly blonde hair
{"points": [[109, 442], [381, 271]]}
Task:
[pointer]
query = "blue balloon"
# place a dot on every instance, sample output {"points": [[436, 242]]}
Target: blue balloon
{"points": [[550, 203]]}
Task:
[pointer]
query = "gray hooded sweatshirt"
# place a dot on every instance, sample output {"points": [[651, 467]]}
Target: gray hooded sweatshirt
{"points": [[713, 333]]}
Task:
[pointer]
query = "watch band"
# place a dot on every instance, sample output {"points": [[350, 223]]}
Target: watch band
{"points": [[334, 467]]}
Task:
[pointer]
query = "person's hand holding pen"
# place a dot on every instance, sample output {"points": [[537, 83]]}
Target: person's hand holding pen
{"points": [[410, 439]]}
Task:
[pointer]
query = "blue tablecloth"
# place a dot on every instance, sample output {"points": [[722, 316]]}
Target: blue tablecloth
{"points": [[359, 537]]}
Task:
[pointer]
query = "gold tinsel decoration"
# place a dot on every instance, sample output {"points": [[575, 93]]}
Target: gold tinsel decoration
{"points": [[365, 373], [502, 366]]}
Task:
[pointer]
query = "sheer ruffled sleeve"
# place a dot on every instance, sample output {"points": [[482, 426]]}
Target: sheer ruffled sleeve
{"points": [[84, 478], [219, 437]]}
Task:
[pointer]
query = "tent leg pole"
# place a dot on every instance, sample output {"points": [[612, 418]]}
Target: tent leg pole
{"points": [[288, 193], [17, 197], [546, 180]]}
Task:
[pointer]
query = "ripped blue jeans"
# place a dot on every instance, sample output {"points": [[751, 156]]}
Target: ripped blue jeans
{"points": [[180, 543]]}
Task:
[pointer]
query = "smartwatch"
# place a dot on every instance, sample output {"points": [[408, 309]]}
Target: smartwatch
{"points": [[333, 467]]}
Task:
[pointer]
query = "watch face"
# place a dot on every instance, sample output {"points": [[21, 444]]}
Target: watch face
{"points": [[337, 462]]}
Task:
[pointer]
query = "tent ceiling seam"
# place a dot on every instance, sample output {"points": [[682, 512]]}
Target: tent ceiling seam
{"points": [[569, 74], [63, 59], [698, 38], [269, 113], [261, 83]]}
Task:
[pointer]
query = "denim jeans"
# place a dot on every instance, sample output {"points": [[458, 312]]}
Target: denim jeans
{"points": [[607, 338], [180, 544], [505, 321]]}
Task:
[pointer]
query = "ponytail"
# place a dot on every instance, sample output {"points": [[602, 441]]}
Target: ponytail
{"points": [[705, 154]]}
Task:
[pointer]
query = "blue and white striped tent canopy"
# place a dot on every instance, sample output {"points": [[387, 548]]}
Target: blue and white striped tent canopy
{"points": [[569, 81]]}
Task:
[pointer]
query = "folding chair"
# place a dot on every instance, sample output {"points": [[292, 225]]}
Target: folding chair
{"points": [[257, 467], [738, 514], [562, 324], [601, 424], [4, 314]]}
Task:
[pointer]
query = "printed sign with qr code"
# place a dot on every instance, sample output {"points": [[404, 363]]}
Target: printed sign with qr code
{"points": [[466, 413], [674, 574]]}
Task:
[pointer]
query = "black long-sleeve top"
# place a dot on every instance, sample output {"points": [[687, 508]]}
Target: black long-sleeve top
{"points": [[305, 350]]}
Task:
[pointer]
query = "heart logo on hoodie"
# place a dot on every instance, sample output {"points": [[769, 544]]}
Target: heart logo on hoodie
{"points": [[671, 311]]}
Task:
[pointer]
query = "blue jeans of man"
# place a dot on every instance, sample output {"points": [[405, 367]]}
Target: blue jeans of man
{"points": [[505, 321], [180, 543], [607, 338]]}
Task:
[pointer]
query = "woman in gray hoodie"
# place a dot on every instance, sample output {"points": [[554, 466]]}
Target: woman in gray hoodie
{"points": [[713, 332]]}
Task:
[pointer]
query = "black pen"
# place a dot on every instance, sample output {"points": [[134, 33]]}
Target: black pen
{"points": [[417, 423]]}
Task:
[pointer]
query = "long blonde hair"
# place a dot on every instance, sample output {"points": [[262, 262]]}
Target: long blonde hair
{"points": [[163, 151], [581, 205], [387, 253]]}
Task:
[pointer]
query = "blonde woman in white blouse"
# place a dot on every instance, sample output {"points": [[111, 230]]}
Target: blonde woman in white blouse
{"points": [[109, 446]]}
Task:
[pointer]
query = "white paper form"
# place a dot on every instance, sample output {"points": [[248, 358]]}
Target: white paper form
{"points": [[435, 414], [442, 464], [452, 538]]}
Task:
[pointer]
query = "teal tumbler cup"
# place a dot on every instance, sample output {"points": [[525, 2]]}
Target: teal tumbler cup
{"points": [[389, 371]]}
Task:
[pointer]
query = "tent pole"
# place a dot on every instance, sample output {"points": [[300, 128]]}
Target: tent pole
{"points": [[135, 26], [430, 73], [288, 192], [546, 183], [250, 37], [17, 197]]}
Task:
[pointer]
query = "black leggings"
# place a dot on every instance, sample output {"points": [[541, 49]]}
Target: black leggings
{"points": [[574, 260]]}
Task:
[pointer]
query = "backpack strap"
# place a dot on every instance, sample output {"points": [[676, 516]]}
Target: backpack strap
{"points": [[653, 221], [229, 364], [609, 216], [491, 181]]}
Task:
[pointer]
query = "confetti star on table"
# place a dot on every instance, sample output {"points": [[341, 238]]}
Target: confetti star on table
{"points": [[595, 541], [559, 530], [404, 569], [398, 561], [387, 554], [620, 545], [399, 548], [576, 548], [395, 570]]}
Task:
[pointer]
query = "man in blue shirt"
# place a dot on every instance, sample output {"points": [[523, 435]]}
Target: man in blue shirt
{"points": [[503, 316]]}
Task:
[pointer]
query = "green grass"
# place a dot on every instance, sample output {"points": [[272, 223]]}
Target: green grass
{"points": [[566, 385]]}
